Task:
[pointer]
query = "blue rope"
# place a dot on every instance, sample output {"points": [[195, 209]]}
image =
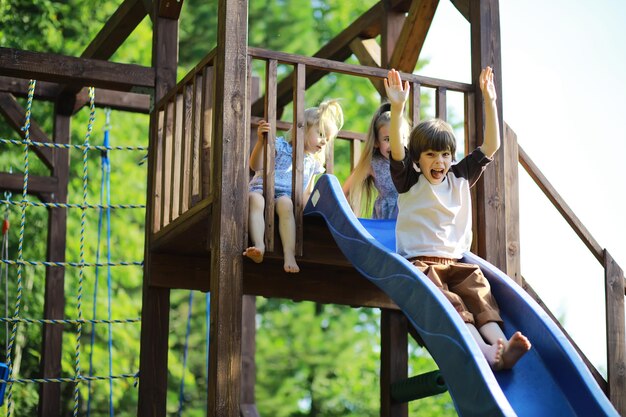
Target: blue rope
{"points": [[181, 396]]}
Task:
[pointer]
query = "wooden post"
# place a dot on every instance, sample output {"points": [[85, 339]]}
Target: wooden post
{"points": [[54, 303], [393, 360], [493, 196], [156, 301], [230, 177], [615, 333], [248, 350]]}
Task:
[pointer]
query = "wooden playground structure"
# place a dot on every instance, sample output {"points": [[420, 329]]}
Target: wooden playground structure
{"points": [[197, 183]]}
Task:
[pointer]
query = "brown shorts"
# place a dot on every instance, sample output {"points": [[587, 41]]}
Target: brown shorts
{"points": [[464, 285]]}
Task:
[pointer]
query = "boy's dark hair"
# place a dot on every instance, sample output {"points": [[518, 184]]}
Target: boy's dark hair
{"points": [[433, 134]]}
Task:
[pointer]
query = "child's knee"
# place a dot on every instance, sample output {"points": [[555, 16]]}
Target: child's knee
{"points": [[284, 206]]}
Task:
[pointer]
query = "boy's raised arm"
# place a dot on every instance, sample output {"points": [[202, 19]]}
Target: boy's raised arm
{"points": [[397, 93], [491, 142]]}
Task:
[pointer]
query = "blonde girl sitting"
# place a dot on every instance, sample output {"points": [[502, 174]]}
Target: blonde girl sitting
{"points": [[372, 171], [322, 124]]}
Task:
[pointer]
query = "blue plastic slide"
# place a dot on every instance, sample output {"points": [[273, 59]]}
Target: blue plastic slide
{"points": [[550, 380]]}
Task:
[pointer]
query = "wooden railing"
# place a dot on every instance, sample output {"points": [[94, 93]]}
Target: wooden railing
{"points": [[615, 288], [296, 82], [183, 146]]}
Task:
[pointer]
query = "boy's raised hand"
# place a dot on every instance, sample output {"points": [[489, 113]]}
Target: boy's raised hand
{"points": [[397, 92], [486, 84]]}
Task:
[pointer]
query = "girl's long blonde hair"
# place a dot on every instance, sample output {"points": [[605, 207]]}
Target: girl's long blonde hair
{"points": [[362, 190], [329, 117]]}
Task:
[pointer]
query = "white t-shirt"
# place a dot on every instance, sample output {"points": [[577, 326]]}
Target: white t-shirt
{"points": [[436, 219]]}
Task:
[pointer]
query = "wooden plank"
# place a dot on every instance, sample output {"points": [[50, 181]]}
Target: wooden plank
{"points": [[415, 101], [115, 100], [116, 30], [615, 333], [351, 69], [185, 168], [155, 311], [368, 52], [177, 155], [248, 349], [391, 25], [80, 72], [562, 207], [37, 185], [207, 132], [394, 360], [463, 7], [269, 154], [166, 180], [511, 207], [54, 295], [297, 142], [19, 88], [441, 104], [15, 115], [411, 40], [155, 198], [170, 8], [230, 184], [196, 146], [490, 191]]}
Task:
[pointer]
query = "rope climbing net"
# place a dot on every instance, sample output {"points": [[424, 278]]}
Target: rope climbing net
{"points": [[23, 204]]}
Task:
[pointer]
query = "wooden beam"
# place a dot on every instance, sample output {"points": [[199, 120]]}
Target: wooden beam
{"points": [[116, 30], [368, 52], [74, 71], [230, 179], [394, 360], [54, 295], [15, 115], [37, 185], [248, 350], [338, 49], [559, 203], [19, 88], [116, 100], [463, 7], [170, 8], [413, 35], [491, 192], [615, 333], [156, 301]]}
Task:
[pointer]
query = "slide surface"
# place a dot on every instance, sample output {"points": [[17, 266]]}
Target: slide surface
{"points": [[550, 380]]}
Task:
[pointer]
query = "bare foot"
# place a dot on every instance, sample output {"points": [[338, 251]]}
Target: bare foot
{"points": [[493, 354], [290, 264], [254, 253], [516, 347]]}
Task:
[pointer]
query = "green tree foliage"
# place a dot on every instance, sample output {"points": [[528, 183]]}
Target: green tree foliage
{"points": [[312, 360]]}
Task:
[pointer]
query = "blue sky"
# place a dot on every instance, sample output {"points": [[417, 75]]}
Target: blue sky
{"points": [[563, 94]]}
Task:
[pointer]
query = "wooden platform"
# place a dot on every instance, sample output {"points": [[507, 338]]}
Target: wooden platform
{"points": [[181, 259]]}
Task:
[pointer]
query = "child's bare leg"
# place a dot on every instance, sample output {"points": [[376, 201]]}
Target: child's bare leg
{"points": [[514, 348], [493, 352], [256, 227], [287, 230]]}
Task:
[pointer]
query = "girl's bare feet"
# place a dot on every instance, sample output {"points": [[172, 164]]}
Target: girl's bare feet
{"points": [[254, 253], [290, 264], [516, 347]]}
